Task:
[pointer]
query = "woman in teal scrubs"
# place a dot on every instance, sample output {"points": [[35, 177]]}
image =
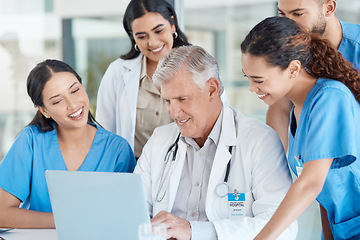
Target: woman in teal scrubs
{"points": [[281, 60], [62, 136]]}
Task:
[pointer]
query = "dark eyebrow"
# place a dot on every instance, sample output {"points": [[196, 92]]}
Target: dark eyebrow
{"points": [[59, 94], [292, 11], [157, 26], [54, 96], [138, 33], [256, 77], [72, 85], [297, 9], [160, 25]]}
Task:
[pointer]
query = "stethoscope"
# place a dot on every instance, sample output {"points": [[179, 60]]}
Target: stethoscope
{"points": [[221, 190], [164, 182]]}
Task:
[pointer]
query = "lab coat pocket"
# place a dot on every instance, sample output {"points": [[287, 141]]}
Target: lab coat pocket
{"points": [[348, 229], [221, 207], [249, 200]]}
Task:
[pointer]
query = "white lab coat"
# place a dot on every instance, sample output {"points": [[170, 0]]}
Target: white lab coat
{"points": [[117, 97], [258, 168]]}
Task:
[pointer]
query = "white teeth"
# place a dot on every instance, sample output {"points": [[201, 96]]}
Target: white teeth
{"points": [[262, 95], [77, 113], [158, 49], [184, 121]]}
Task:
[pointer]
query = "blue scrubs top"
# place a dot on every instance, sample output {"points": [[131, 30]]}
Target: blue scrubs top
{"points": [[22, 172], [350, 43], [329, 127]]}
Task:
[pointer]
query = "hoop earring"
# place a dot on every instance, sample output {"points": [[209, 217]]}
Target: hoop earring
{"points": [[136, 48], [175, 34]]}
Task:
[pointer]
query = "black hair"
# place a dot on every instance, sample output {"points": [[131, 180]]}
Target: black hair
{"points": [[36, 81], [138, 8], [280, 40]]}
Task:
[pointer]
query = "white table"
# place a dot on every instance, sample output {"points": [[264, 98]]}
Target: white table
{"points": [[30, 234]]}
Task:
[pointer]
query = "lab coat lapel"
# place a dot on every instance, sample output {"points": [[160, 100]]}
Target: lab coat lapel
{"points": [[222, 155], [132, 71], [175, 176]]}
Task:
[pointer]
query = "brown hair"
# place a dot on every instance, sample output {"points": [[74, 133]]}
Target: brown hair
{"points": [[280, 40], [327, 62]]}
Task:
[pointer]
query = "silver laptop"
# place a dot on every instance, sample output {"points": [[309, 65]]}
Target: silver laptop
{"points": [[97, 205]]}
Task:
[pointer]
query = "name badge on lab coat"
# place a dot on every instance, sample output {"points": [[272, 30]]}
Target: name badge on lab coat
{"points": [[236, 203]]}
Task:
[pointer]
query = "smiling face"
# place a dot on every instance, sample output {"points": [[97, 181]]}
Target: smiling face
{"points": [[153, 35], [307, 13], [269, 83], [65, 101], [194, 110]]}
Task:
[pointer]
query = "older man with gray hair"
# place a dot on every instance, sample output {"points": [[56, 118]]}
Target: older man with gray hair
{"points": [[213, 173]]}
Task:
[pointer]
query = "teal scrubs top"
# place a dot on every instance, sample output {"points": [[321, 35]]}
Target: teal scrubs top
{"points": [[22, 171], [329, 128], [350, 43]]}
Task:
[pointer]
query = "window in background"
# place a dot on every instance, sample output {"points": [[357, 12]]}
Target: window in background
{"points": [[220, 28], [29, 33], [98, 42]]}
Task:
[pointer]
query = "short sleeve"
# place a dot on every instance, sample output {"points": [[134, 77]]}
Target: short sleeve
{"points": [[331, 127], [125, 160], [15, 169]]}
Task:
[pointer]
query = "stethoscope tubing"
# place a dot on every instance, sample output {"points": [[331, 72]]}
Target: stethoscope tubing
{"points": [[167, 170]]}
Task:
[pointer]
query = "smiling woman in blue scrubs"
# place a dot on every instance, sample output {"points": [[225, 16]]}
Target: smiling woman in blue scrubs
{"points": [[62, 136], [281, 60]]}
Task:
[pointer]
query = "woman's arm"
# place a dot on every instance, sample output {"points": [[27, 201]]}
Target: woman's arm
{"points": [[13, 216], [304, 191], [278, 117]]}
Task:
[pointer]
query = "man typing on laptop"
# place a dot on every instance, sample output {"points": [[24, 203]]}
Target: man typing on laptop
{"points": [[214, 173]]}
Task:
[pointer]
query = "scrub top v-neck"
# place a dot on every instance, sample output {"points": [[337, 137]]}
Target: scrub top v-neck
{"points": [[22, 172], [328, 129]]}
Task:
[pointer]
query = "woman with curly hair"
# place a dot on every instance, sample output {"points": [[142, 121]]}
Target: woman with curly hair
{"points": [[282, 60]]}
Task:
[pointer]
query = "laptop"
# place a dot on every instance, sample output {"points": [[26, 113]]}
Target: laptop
{"points": [[97, 205]]}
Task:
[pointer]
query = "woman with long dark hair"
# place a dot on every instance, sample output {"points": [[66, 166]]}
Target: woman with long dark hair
{"points": [[62, 136], [282, 60], [128, 102]]}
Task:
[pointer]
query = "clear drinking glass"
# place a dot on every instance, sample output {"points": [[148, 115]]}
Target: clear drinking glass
{"points": [[152, 231]]}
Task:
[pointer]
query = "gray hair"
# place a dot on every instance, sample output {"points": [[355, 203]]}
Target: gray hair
{"points": [[199, 63]]}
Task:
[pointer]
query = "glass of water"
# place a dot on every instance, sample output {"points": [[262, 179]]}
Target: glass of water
{"points": [[152, 231]]}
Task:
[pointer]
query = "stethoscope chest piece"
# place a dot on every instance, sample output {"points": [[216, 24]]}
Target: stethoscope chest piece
{"points": [[222, 189]]}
